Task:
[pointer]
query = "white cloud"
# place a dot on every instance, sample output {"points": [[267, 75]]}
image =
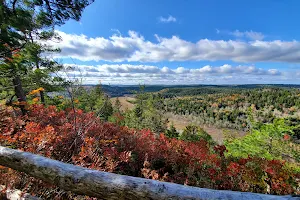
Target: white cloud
{"points": [[135, 47], [116, 31], [127, 68], [252, 35], [150, 69], [248, 34], [168, 19], [149, 74]]}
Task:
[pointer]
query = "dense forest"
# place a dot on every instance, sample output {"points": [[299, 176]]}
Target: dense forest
{"points": [[182, 90], [231, 108], [44, 113]]}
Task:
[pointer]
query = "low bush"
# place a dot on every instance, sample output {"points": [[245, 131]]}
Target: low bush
{"points": [[80, 138]]}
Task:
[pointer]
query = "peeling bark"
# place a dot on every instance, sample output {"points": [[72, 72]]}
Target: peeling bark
{"points": [[111, 186]]}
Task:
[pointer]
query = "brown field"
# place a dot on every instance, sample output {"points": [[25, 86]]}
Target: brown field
{"points": [[180, 122], [218, 134], [124, 103]]}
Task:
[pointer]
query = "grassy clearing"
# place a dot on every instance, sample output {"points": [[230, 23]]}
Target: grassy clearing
{"points": [[125, 104]]}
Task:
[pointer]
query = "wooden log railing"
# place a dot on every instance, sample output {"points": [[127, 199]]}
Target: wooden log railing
{"points": [[106, 185]]}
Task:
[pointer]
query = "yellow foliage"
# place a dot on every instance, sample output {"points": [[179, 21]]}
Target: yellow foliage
{"points": [[36, 91], [22, 103], [35, 100]]}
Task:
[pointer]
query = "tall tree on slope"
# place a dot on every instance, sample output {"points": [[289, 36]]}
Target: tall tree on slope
{"points": [[23, 24]]}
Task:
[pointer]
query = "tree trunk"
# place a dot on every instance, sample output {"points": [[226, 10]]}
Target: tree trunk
{"points": [[104, 185], [19, 92], [42, 97]]}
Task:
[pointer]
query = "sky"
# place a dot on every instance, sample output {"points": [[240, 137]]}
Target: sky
{"points": [[183, 42]]}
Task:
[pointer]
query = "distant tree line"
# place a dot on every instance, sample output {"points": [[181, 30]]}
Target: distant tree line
{"points": [[230, 107]]}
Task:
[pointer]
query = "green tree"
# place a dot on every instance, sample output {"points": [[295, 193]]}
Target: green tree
{"points": [[195, 133], [146, 113], [265, 140], [23, 23], [117, 106], [21, 18], [172, 132], [94, 100]]}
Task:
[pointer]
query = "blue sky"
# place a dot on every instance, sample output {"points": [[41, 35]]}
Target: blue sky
{"points": [[184, 42]]}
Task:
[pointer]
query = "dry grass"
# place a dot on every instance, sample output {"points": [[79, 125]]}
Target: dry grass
{"points": [[218, 134], [124, 102]]}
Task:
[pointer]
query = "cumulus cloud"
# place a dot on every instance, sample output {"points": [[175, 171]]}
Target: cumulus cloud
{"points": [[150, 69], [135, 47], [168, 19], [150, 74]]}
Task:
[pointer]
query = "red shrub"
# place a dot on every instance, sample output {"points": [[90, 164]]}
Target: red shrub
{"points": [[82, 139]]}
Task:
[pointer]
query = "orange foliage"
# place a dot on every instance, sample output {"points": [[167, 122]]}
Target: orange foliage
{"points": [[36, 99], [36, 91]]}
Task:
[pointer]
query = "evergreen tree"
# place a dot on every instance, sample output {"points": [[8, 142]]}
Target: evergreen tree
{"points": [[172, 132], [195, 133], [94, 100], [23, 23], [146, 114], [117, 106]]}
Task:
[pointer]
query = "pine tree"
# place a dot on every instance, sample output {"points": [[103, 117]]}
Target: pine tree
{"points": [[117, 105], [23, 23], [172, 132]]}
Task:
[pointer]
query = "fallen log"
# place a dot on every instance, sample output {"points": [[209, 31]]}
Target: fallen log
{"points": [[104, 185]]}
